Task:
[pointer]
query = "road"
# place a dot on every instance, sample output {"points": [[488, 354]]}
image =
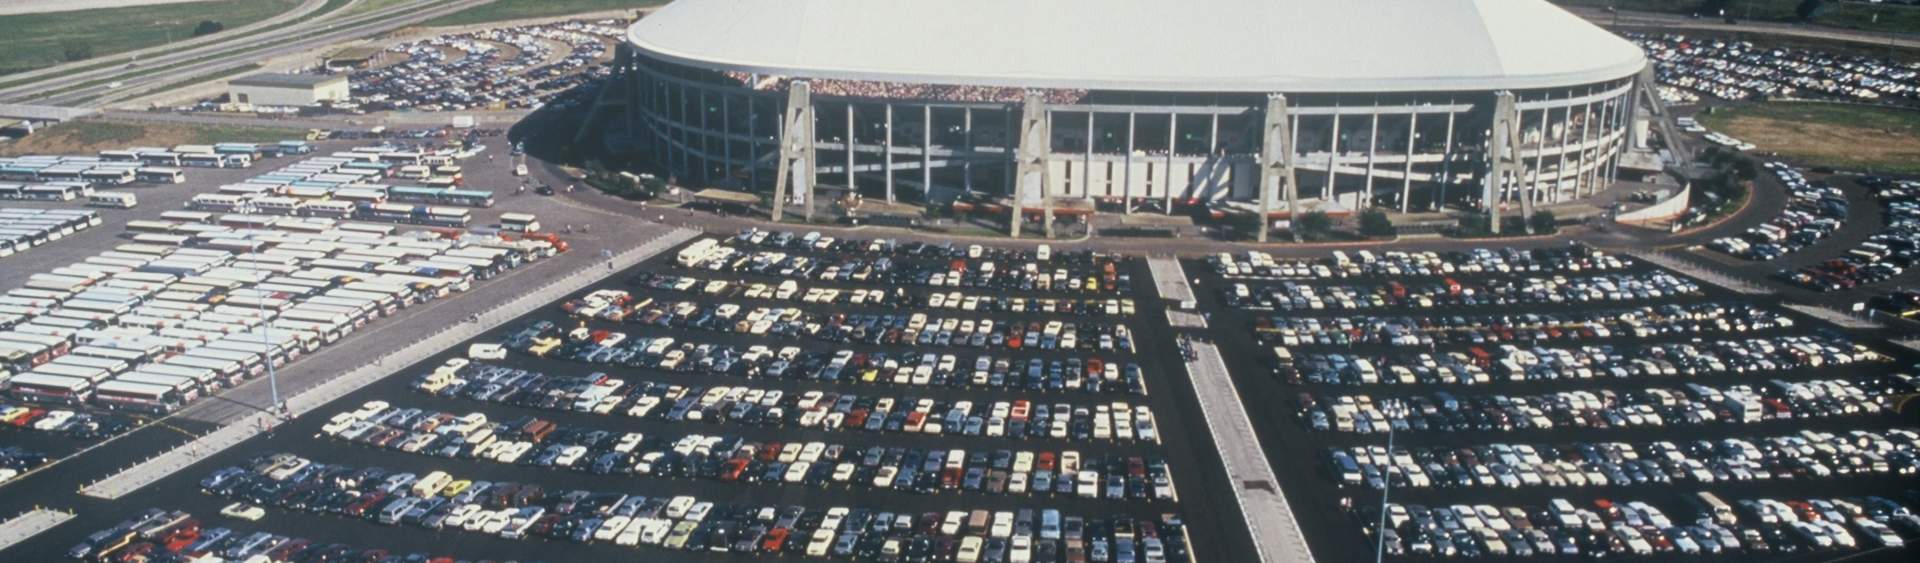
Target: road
{"points": [[1679, 22], [46, 6], [216, 57]]}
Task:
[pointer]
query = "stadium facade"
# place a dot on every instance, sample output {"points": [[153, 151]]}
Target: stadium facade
{"points": [[1391, 103]]}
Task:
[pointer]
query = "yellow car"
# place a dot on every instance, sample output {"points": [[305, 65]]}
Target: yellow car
{"points": [[14, 413], [455, 488], [543, 346]]}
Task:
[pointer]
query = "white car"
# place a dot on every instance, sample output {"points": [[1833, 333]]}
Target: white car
{"points": [[487, 352], [243, 511]]}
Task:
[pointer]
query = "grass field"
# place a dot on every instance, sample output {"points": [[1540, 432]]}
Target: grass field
{"points": [[1841, 136], [1858, 15], [90, 137], [501, 10], [30, 41]]}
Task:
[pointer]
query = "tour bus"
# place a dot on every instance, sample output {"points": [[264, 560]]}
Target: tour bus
{"points": [[33, 386], [279, 205], [399, 293], [188, 388], [279, 352], [387, 302], [343, 318], [119, 156], [215, 202], [159, 175], [252, 364], [519, 222], [229, 371], [206, 379], [145, 397], [111, 366], [364, 309], [108, 176], [403, 158], [328, 331], [199, 160], [160, 158], [91, 374], [55, 192], [116, 200], [44, 348]]}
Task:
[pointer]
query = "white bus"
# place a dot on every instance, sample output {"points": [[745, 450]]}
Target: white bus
{"points": [[117, 395], [116, 200], [519, 222], [50, 388]]}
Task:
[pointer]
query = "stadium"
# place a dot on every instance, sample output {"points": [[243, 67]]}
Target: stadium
{"points": [[1141, 104]]}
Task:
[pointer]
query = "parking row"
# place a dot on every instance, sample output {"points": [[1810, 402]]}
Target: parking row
{"points": [[162, 535], [897, 297], [1804, 455], [1686, 405], [1885, 254], [1814, 210], [1738, 70], [1648, 321], [1558, 290], [1258, 265], [1480, 365], [1609, 528], [915, 329], [442, 502], [812, 409], [472, 70], [1092, 375], [971, 270], [732, 459]]}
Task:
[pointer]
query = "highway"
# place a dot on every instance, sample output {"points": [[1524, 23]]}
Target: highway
{"points": [[305, 8], [213, 58], [1679, 22]]}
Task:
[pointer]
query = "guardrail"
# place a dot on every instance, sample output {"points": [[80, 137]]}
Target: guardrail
{"points": [[158, 467]]}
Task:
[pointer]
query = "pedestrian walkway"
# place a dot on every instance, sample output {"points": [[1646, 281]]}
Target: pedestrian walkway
{"points": [[1276, 535], [30, 524], [159, 467], [1170, 280]]}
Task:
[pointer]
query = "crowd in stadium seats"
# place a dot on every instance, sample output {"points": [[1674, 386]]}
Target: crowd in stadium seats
{"points": [[908, 91]]}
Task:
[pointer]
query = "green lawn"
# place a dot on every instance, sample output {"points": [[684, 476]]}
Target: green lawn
{"points": [[1858, 15], [501, 10], [30, 41], [372, 5], [1850, 137], [89, 136]]}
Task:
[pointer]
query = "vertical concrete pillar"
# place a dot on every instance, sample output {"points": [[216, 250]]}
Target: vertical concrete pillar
{"points": [[1406, 174], [1276, 165], [796, 150], [1031, 178]]}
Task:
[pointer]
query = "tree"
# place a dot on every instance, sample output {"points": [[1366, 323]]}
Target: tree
{"points": [[1808, 10], [208, 27], [77, 51], [1543, 222], [1312, 224], [1374, 223]]}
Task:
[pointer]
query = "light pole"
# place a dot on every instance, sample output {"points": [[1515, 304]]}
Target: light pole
{"points": [[1386, 484], [266, 335]]}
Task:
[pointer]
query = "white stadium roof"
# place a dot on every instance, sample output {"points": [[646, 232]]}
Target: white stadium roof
{"points": [[1153, 45]]}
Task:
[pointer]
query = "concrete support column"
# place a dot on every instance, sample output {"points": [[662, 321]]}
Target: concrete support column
{"points": [[1173, 125], [926, 152], [966, 164], [1126, 175], [726, 128], [1373, 151], [1503, 144], [886, 166], [1276, 165], [1539, 157], [1332, 187], [853, 185], [1086, 176], [1406, 175], [1446, 163], [796, 150], [1035, 142]]}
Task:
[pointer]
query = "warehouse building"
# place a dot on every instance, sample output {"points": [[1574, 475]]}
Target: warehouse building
{"points": [[275, 89]]}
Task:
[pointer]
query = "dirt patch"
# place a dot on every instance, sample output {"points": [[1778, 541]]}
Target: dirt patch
{"points": [[1853, 137], [91, 137]]}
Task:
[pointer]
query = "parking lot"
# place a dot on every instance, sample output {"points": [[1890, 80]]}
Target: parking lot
{"points": [[1696, 67], [1507, 381], [799, 388]]}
